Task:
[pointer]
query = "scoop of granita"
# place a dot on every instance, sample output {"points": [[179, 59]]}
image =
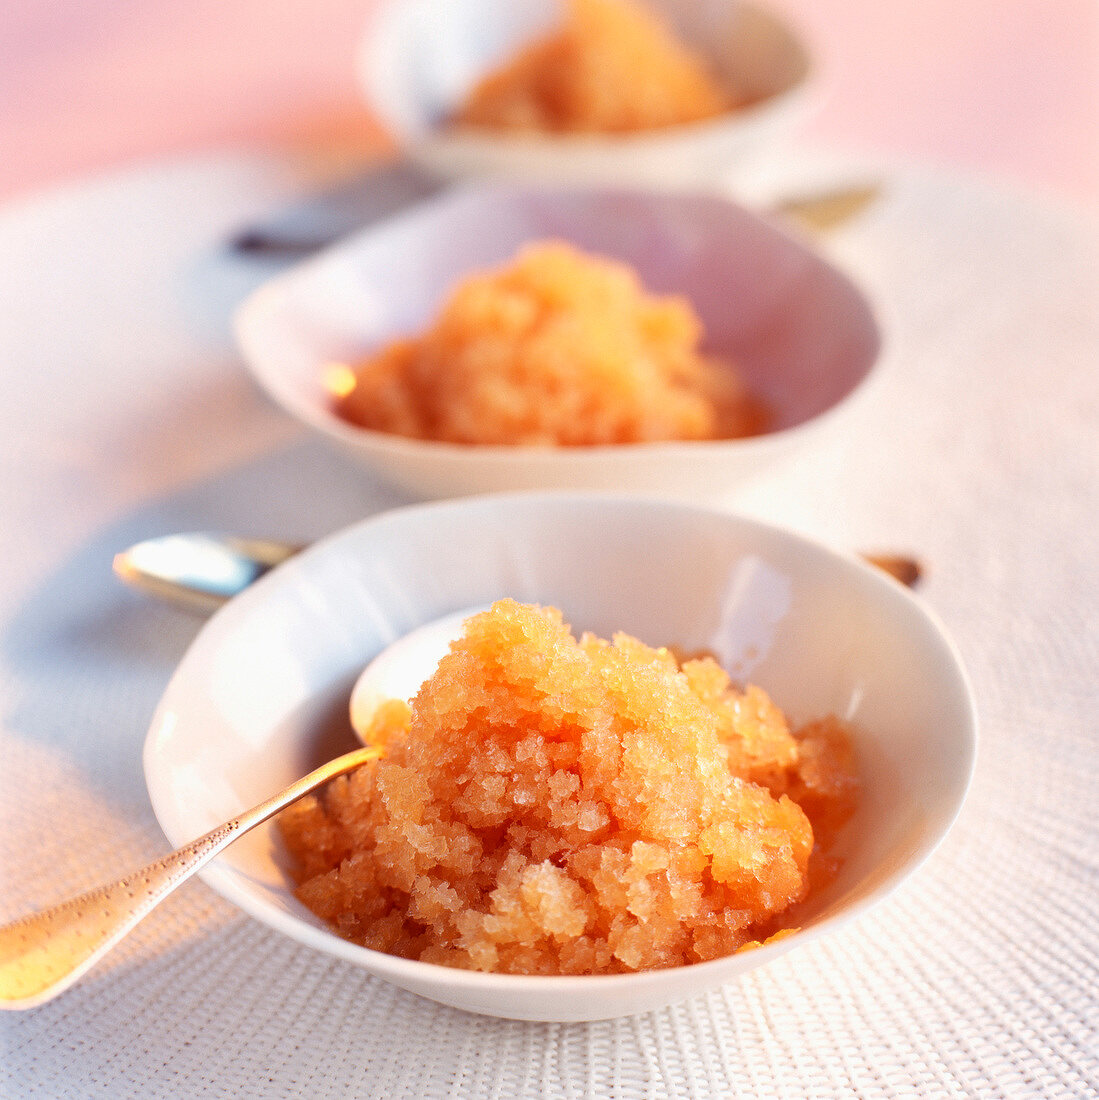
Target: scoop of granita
{"points": [[556, 348], [549, 805], [612, 67]]}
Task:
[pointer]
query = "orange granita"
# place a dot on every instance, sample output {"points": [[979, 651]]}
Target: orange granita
{"points": [[554, 806], [612, 67], [556, 348]]}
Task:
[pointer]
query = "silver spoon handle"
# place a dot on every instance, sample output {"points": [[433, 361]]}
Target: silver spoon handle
{"points": [[199, 571], [43, 954]]}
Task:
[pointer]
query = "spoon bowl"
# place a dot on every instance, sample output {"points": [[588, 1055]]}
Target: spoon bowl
{"points": [[265, 688], [401, 668]]}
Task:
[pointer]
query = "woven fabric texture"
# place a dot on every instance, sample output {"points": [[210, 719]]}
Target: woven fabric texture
{"points": [[125, 414]]}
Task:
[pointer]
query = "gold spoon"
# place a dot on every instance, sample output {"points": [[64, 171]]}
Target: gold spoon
{"points": [[827, 210], [43, 954]]}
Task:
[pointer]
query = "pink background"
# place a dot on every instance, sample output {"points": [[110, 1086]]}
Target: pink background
{"points": [[1009, 88]]}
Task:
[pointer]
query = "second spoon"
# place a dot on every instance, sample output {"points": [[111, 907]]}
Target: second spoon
{"points": [[201, 571]]}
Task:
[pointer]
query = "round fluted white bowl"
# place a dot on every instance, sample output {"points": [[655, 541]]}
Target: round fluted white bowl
{"points": [[263, 691], [802, 334]]}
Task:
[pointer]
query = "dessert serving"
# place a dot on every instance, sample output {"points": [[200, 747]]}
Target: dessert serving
{"points": [[553, 805], [262, 695], [767, 339], [663, 92], [612, 67], [556, 348]]}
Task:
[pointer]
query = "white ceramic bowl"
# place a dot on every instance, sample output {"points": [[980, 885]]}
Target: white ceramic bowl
{"points": [[261, 695], [420, 58], [802, 334]]}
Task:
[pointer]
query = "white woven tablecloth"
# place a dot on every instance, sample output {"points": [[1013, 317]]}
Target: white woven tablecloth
{"points": [[125, 413]]}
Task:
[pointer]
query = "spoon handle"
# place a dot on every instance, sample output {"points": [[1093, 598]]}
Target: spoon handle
{"points": [[199, 571], [202, 571], [43, 954], [326, 219]]}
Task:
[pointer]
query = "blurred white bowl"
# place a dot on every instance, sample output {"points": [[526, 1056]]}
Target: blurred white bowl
{"points": [[262, 693], [420, 59], [802, 334]]}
